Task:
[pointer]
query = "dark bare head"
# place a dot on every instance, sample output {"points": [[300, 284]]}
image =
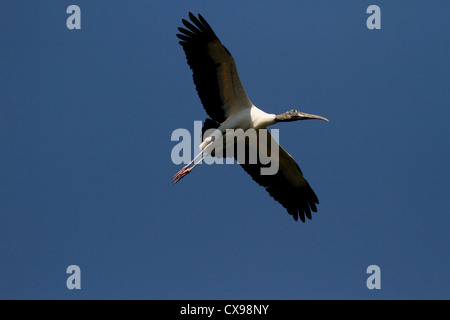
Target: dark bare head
{"points": [[294, 115]]}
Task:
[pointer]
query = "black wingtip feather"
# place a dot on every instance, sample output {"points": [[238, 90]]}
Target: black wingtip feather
{"points": [[189, 25], [183, 37], [293, 212], [307, 211], [186, 32]]}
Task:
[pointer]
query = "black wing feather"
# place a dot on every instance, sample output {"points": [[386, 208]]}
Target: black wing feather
{"points": [[194, 41], [298, 200]]}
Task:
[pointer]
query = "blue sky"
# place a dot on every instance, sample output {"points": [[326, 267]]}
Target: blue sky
{"points": [[86, 118]]}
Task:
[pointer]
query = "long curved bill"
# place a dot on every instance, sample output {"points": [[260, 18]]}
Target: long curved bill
{"points": [[307, 116]]}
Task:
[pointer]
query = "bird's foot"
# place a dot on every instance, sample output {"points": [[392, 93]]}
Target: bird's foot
{"points": [[181, 174]]}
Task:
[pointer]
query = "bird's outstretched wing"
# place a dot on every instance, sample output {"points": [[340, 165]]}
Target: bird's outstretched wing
{"points": [[287, 186], [214, 70]]}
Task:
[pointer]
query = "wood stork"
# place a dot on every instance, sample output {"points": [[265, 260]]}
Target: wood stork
{"points": [[225, 101]]}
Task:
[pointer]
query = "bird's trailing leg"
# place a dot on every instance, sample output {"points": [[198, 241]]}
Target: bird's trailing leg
{"points": [[180, 174], [183, 172]]}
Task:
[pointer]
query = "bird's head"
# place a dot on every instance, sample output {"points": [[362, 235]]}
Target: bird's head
{"points": [[295, 115]]}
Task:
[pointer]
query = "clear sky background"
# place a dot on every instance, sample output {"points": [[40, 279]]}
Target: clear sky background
{"points": [[86, 118]]}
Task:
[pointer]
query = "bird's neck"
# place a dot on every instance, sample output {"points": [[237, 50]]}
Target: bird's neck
{"points": [[261, 119]]}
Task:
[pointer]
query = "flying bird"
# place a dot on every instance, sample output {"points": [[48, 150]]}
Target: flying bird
{"points": [[224, 99]]}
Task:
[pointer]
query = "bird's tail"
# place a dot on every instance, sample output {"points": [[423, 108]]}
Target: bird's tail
{"points": [[208, 124]]}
